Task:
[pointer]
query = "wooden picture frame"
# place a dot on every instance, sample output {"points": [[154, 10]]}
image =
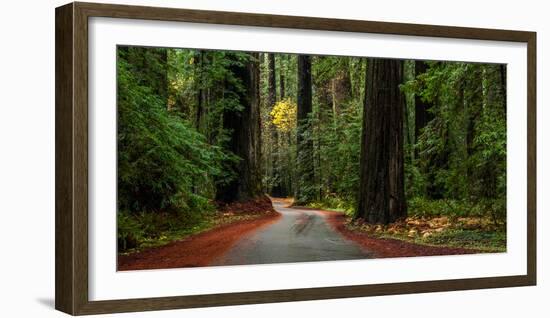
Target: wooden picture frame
{"points": [[71, 89]]}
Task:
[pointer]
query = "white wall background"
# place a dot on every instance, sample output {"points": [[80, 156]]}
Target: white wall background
{"points": [[27, 157]]}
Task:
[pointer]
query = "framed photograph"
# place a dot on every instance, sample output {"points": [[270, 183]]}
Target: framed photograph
{"points": [[211, 158]]}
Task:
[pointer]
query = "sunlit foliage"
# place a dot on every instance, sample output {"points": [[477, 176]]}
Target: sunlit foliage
{"points": [[283, 115]]}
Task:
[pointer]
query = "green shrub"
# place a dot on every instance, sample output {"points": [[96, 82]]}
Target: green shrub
{"points": [[160, 155], [494, 241], [457, 208], [333, 202], [129, 231], [137, 230]]}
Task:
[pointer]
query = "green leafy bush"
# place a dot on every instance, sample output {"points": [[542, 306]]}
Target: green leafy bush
{"points": [[476, 239], [422, 207], [160, 156], [335, 203], [166, 168]]}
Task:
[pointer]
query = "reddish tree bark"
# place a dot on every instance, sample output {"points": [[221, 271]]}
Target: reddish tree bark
{"points": [[244, 128], [382, 192]]}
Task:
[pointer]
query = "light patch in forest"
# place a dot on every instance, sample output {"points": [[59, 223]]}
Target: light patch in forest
{"points": [[283, 115]]}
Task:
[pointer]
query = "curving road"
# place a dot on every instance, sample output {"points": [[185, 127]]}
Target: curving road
{"points": [[298, 236]]}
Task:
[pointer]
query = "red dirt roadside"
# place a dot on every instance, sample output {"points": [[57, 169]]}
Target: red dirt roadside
{"points": [[200, 249], [385, 248]]}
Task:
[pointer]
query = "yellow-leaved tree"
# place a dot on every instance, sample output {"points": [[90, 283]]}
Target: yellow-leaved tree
{"points": [[283, 115]]}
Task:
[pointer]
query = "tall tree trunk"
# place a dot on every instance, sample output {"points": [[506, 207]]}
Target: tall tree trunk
{"points": [[200, 98], [408, 75], [381, 193], [271, 80], [495, 87], [305, 191], [474, 105], [503, 85], [281, 77], [201, 91], [276, 190], [244, 138], [340, 88], [421, 114]]}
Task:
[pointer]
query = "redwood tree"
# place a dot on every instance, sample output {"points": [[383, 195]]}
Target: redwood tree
{"points": [[381, 192], [422, 116], [243, 125], [305, 191], [281, 59], [276, 189]]}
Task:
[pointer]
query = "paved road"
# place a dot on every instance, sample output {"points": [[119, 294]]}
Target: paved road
{"points": [[298, 236]]}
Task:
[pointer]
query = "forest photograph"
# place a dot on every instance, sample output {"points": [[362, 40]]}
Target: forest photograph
{"points": [[241, 158]]}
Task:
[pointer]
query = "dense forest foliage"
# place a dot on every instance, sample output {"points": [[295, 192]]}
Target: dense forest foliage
{"points": [[377, 138]]}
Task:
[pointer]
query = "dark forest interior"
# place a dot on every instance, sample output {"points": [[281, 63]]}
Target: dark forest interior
{"points": [[412, 150]]}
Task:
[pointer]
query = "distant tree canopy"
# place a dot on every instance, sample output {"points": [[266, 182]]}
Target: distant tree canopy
{"points": [[374, 137]]}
